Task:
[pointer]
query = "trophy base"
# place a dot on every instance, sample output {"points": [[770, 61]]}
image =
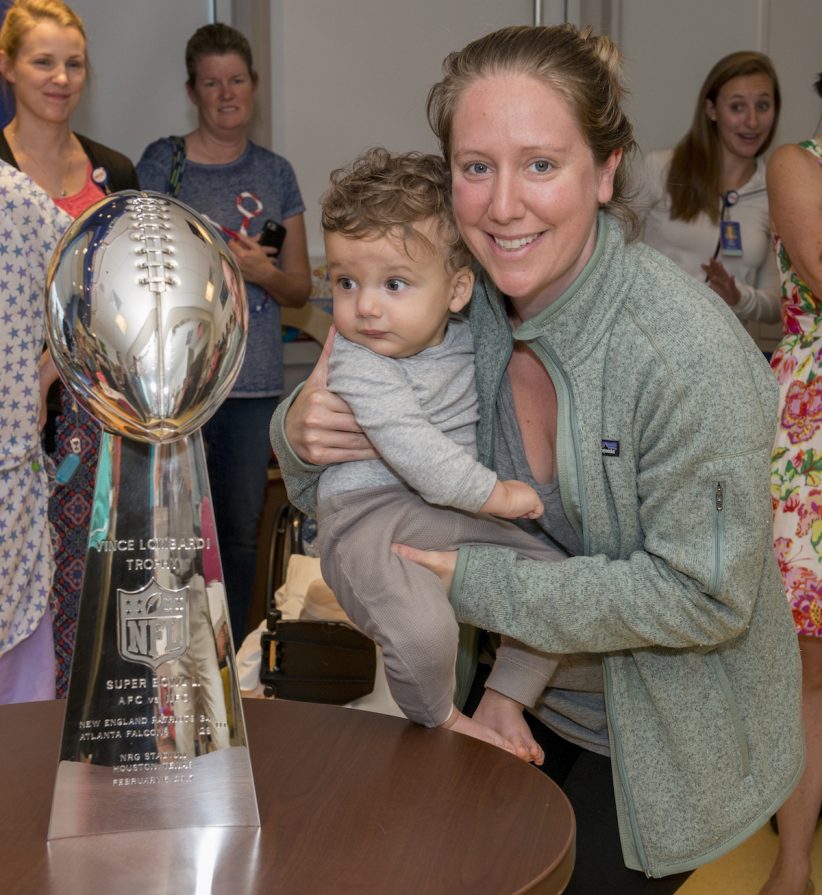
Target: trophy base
{"points": [[215, 792], [154, 735]]}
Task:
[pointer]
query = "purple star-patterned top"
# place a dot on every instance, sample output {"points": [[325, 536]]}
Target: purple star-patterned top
{"points": [[30, 225]]}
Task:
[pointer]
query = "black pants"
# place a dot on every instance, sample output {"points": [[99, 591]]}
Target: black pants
{"points": [[586, 780]]}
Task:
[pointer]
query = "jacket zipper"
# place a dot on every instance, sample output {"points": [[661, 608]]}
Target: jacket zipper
{"points": [[565, 410], [621, 772], [492, 439], [565, 406], [719, 535]]}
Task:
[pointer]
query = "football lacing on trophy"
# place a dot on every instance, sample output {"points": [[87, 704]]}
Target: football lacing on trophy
{"points": [[151, 228]]}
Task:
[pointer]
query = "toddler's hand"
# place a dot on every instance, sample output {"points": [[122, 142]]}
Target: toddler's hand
{"points": [[513, 500]]}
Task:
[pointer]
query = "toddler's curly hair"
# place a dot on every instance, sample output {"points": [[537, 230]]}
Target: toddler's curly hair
{"points": [[384, 193]]}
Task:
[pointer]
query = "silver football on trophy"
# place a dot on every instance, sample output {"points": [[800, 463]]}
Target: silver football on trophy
{"points": [[146, 315]]}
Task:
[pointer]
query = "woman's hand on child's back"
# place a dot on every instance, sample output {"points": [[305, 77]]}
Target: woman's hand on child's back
{"points": [[513, 500], [320, 426]]}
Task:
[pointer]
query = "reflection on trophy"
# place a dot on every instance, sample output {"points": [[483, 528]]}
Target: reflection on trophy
{"points": [[146, 322]]}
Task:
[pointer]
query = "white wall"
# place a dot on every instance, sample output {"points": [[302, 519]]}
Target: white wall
{"points": [[347, 74], [669, 48], [793, 30], [351, 74], [136, 92], [354, 74]]}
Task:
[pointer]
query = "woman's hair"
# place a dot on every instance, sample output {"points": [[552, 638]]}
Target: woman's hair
{"points": [[582, 67], [694, 177], [216, 39], [817, 84], [383, 194], [23, 15]]}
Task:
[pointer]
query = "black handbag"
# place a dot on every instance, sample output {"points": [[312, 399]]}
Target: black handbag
{"points": [[309, 661]]}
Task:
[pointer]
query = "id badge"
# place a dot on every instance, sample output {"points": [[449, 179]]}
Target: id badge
{"points": [[730, 238]]}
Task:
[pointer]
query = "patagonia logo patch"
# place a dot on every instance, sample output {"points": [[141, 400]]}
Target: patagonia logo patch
{"points": [[610, 448]]}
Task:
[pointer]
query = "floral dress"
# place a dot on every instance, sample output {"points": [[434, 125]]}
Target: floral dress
{"points": [[796, 464]]}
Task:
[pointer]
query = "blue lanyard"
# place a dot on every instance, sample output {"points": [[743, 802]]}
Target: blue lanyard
{"points": [[730, 198]]}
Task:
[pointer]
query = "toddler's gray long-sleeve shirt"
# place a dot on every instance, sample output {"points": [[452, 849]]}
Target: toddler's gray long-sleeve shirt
{"points": [[420, 413]]}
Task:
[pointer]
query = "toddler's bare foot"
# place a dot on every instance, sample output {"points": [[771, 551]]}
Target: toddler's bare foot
{"points": [[504, 715], [468, 726]]}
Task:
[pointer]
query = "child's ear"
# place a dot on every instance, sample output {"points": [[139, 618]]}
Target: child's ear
{"points": [[463, 284]]}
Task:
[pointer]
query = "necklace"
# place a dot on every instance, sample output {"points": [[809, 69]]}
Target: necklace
{"points": [[49, 178]]}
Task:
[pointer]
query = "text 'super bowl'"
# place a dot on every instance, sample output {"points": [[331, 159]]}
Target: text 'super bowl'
{"points": [[146, 316]]}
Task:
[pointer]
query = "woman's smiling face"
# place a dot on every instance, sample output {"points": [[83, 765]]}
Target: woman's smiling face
{"points": [[49, 71], [526, 187]]}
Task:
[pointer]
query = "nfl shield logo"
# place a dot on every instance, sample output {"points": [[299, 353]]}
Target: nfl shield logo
{"points": [[152, 624]]}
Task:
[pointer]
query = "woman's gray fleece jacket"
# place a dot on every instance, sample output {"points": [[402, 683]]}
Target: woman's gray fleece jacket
{"points": [[667, 413]]}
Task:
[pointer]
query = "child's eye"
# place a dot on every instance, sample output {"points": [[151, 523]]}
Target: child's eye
{"points": [[395, 284], [541, 166], [346, 283]]}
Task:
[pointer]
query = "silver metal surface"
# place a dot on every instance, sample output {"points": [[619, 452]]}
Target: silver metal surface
{"points": [[146, 315], [147, 325]]}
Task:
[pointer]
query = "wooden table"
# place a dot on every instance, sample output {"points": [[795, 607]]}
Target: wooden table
{"points": [[350, 802]]}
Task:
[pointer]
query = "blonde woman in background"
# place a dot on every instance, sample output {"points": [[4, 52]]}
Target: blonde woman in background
{"points": [[44, 63]]}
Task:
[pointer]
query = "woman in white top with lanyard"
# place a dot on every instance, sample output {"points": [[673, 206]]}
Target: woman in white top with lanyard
{"points": [[704, 202]]}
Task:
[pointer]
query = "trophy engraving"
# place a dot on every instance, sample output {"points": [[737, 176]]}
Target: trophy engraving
{"points": [[152, 624], [146, 321]]}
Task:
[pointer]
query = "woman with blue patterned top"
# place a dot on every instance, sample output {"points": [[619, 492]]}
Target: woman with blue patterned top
{"points": [[238, 185]]}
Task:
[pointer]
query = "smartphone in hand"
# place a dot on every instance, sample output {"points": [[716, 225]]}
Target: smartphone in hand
{"points": [[273, 234]]}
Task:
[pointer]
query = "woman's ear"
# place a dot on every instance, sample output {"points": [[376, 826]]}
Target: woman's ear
{"points": [[606, 177], [462, 285], [710, 109], [6, 69]]}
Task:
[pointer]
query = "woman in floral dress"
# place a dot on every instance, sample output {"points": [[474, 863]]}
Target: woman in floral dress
{"points": [[795, 193]]}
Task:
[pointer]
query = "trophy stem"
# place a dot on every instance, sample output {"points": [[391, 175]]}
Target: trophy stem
{"points": [[154, 735]]}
